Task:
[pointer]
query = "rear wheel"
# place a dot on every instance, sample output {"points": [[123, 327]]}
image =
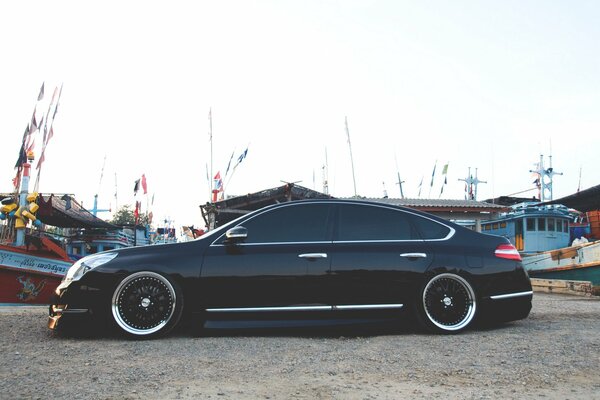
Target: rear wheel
{"points": [[447, 304], [146, 304]]}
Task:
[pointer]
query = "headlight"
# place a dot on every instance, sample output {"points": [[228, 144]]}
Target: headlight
{"points": [[81, 267]]}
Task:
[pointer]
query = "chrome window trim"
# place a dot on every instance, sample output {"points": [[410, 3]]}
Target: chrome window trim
{"points": [[306, 308], [393, 208], [511, 295], [272, 243]]}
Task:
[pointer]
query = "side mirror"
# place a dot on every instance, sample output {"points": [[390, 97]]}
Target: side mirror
{"points": [[237, 234]]}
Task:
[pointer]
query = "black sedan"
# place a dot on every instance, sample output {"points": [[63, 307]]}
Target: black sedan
{"points": [[301, 262]]}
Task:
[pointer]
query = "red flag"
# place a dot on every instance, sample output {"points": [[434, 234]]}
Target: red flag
{"points": [[136, 213], [144, 186], [218, 182]]}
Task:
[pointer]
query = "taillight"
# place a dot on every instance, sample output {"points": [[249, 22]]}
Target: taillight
{"points": [[507, 251]]}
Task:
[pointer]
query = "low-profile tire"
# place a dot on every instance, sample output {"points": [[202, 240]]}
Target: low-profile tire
{"points": [[146, 305], [447, 304]]}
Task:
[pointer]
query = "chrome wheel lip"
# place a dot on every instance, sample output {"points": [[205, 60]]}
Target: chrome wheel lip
{"points": [[121, 321], [469, 309]]}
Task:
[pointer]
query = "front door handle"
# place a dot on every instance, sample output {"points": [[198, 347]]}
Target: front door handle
{"points": [[413, 255], [312, 256]]}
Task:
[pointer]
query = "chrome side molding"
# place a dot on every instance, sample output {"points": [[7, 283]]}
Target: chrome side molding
{"points": [[511, 295], [306, 308]]}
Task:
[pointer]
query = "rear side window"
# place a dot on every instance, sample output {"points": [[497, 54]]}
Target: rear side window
{"points": [[360, 223], [429, 229]]}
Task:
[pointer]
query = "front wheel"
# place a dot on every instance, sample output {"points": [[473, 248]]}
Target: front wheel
{"points": [[447, 304], [146, 304]]}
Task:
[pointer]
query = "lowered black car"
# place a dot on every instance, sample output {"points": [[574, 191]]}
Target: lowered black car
{"points": [[304, 261]]}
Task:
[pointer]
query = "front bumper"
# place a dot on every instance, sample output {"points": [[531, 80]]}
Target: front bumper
{"points": [[57, 314], [75, 304]]}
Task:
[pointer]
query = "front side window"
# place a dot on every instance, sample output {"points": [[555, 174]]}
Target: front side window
{"points": [[551, 224], [531, 224], [362, 223], [293, 223]]}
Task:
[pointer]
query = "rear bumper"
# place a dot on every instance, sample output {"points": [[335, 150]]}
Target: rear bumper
{"points": [[507, 306]]}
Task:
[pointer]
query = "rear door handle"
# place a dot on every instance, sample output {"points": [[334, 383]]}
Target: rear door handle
{"points": [[413, 255], [312, 256]]}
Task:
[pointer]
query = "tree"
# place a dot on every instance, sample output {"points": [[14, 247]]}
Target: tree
{"points": [[125, 216]]}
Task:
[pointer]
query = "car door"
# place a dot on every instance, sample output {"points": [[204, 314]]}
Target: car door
{"points": [[282, 262], [376, 256]]}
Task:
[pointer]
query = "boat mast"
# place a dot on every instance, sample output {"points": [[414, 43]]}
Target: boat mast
{"points": [[400, 182], [351, 158], [210, 135], [325, 175], [471, 193], [544, 181], [95, 210], [20, 239]]}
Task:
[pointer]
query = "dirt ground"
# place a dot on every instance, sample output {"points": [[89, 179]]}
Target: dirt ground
{"points": [[553, 354]]}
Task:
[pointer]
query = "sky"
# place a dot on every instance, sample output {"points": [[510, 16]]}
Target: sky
{"points": [[485, 85]]}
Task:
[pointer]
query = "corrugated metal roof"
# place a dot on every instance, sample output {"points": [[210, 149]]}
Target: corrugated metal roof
{"points": [[439, 203]]}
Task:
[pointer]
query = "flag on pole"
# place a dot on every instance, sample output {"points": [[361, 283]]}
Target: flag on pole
{"points": [[33, 126], [421, 185], [229, 163], [41, 95], [241, 158], [445, 173], [433, 173], [57, 103], [218, 182], [136, 187], [144, 186], [136, 213]]}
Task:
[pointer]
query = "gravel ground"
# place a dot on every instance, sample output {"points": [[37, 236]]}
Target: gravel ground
{"points": [[553, 354]]}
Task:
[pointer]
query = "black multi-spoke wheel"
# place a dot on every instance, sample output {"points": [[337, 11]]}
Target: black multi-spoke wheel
{"points": [[448, 303], [146, 304]]}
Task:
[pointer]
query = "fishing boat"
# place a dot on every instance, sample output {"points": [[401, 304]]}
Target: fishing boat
{"points": [[532, 227], [558, 239], [31, 265], [580, 262], [35, 250]]}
